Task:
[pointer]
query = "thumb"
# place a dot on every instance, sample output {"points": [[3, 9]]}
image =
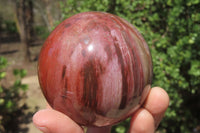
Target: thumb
{"points": [[52, 121]]}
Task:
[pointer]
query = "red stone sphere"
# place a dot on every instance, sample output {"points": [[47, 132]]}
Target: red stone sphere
{"points": [[96, 68]]}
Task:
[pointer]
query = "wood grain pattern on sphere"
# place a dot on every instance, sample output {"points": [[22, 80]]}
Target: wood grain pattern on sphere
{"points": [[96, 68]]}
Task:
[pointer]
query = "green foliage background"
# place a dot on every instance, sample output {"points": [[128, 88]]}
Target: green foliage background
{"points": [[172, 31], [11, 105]]}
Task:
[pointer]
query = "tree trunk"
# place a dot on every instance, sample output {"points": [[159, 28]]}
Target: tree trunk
{"points": [[29, 21], [24, 13], [49, 16]]}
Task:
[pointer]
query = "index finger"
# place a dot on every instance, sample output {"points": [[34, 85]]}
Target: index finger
{"points": [[157, 103]]}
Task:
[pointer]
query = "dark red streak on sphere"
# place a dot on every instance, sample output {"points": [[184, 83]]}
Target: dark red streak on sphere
{"points": [[96, 68]]}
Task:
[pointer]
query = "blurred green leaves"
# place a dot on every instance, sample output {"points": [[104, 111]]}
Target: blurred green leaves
{"points": [[20, 72], [120, 129], [2, 75], [11, 96], [195, 68], [3, 64]]}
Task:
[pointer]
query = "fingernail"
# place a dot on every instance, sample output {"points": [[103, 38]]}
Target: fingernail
{"points": [[43, 129]]}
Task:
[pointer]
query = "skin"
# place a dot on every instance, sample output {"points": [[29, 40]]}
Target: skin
{"points": [[145, 120]]}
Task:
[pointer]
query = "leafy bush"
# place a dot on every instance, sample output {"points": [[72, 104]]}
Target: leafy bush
{"points": [[172, 30], [41, 32], [8, 26], [11, 104]]}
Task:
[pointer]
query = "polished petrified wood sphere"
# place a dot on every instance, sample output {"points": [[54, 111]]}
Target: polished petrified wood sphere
{"points": [[96, 68]]}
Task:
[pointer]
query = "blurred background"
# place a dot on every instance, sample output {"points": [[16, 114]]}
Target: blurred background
{"points": [[171, 29]]}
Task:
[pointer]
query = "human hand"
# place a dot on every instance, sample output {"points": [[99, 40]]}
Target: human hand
{"points": [[144, 120]]}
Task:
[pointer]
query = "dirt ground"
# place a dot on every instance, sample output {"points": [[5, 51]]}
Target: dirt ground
{"points": [[9, 48]]}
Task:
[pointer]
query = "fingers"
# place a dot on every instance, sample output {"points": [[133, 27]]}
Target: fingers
{"points": [[146, 119], [51, 121], [157, 100], [99, 129], [157, 103], [142, 122]]}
